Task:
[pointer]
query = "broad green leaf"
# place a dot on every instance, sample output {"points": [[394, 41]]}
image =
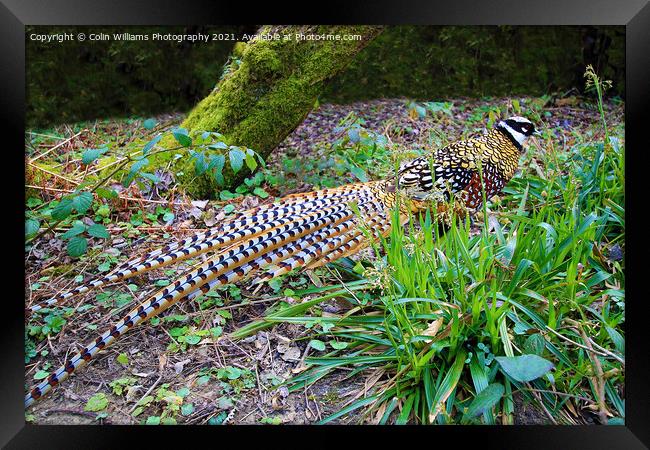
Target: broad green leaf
{"points": [[236, 159], [192, 339], [200, 164], [149, 124], [251, 163], [151, 144], [135, 168], [99, 231], [218, 146], [123, 359], [77, 246], [524, 368], [260, 192], [535, 344], [41, 375], [337, 345], [484, 400], [359, 173], [106, 193], [63, 209], [152, 420], [230, 372], [97, 402], [82, 201], [151, 177], [187, 409], [31, 227], [76, 229], [181, 137], [183, 392], [216, 166], [318, 345], [92, 154]]}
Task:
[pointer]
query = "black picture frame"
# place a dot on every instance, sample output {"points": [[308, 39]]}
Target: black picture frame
{"points": [[634, 14]]}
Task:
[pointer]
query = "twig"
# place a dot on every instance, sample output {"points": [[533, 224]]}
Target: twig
{"points": [[133, 199], [590, 349], [57, 146], [51, 173], [598, 380], [145, 394]]}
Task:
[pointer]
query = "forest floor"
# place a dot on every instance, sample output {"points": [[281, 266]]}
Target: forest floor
{"points": [[152, 376]]}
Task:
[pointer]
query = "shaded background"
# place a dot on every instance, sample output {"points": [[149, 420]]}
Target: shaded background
{"points": [[73, 81]]}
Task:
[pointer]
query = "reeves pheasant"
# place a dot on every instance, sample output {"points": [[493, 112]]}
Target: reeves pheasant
{"points": [[309, 230]]}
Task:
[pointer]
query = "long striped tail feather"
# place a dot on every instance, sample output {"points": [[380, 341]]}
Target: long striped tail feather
{"points": [[308, 236], [252, 222]]}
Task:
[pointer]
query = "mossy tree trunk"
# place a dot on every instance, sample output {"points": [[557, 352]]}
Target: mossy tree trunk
{"points": [[271, 87]]}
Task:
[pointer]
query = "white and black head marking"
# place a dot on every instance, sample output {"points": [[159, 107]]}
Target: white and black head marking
{"points": [[517, 129]]}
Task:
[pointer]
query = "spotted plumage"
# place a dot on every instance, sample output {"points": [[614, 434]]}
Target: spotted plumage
{"points": [[306, 230], [465, 168]]}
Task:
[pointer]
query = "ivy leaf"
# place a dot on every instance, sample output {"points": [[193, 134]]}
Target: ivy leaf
{"points": [[77, 246], [92, 154], [180, 134], [63, 209], [97, 402], [31, 227], [99, 231], [236, 159], [524, 368], [82, 201]]}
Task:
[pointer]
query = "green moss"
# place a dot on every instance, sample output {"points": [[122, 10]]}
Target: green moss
{"points": [[270, 92]]}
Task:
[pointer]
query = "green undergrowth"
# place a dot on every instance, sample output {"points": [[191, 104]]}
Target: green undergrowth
{"points": [[452, 328]]}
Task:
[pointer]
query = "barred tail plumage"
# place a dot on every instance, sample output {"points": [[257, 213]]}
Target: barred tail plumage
{"points": [[249, 223], [303, 230]]}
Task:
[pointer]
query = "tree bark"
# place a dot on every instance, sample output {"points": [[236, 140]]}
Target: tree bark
{"points": [[271, 87]]}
